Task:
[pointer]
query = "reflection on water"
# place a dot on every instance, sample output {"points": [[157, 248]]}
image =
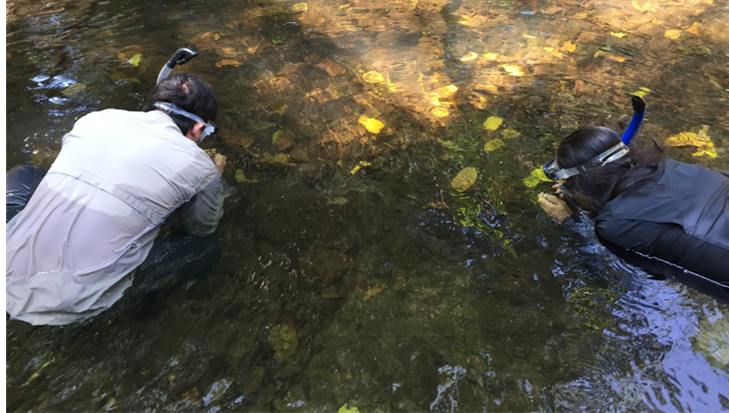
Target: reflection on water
{"points": [[348, 247]]}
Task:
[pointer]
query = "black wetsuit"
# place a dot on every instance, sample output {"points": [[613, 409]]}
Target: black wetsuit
{"points": [[678, 221]]}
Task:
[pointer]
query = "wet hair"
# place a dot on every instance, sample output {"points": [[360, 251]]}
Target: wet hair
{"points": [[188, 92], [601, 185]]}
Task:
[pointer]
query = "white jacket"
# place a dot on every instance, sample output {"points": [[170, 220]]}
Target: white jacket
{"points": [[72, 251]]}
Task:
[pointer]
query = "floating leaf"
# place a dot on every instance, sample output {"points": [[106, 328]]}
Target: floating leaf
{"points": [[673, 34], [700, 50], [371, 124], [693, 30], [282, 339], [536, 176], [440, 112], [373, 291], [513, 70], [240, 177], [228, 62], [510, 134], [277, 41], [618, 35], [134, 61], [373, 77], [493, 123], [344, 409], [493, 145], [74, 89], [300, 7], [470, 56], [355, 169], [465, 179]]}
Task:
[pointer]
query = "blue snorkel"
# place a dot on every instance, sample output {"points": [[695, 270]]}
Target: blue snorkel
{"points": [[553, 171], [638, 115]]}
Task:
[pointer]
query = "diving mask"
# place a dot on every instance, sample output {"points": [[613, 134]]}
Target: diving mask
{"points": [[168, 107], [554, 172]]}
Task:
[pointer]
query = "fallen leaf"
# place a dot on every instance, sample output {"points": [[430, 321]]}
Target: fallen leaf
{"points": [[645, 7], [568, 47], [618, 35], [673, 34], [470, 56], [241, 177], [510, 134], [134, 61], [355, 169], [465, 179], [491, 56], [440, 112], [642, 92], [579, 16], [283, 340], [700, 50], [701, 140], [344, 409], [493, 123], [300, 7], [373, 291], [259, 124], [610, 56], [693, 30], [493, 145], [553, 9], [513, 70], [477, 100], [373, 77], [74, 89], [536, 176], [371, 124], [450, 145], [227, 62]]}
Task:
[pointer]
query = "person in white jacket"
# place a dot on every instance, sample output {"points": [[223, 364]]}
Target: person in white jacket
{"points": [[72, 250]]}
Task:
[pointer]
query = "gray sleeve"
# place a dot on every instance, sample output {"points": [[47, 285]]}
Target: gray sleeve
{"points": [[201, 214]]}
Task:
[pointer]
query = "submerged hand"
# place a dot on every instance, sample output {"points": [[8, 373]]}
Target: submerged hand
{"points": [[554, 207], [220, 162]]}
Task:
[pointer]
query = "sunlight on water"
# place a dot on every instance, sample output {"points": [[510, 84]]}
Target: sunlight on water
{"points": [[352, 272]]}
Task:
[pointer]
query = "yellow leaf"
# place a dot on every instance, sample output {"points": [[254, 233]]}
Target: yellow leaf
{"points": [[549, 49], [645, 89], [491, 56], [619, 35], [371, 124], [493, 145], [510, 134], [216, 37], [610, 56], [645, 7], [639, 93], [493, 123], [535, 177], [673, 34], [134, 61], [74, 89], [513, 70], [373, 77], [228, 51], [693, 30], [470, 56], [465, 179], [441, 112], [300, 7], [373, 291], [355, 169], [444, 92], [227, 62], [569, 47]]}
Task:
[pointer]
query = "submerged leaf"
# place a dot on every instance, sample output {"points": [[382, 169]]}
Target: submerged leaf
{"points": [[673, 34], [513, 70], [240, 177], [493, 145], [283, 340], [465, 179], [610, 56], [74, 89], [700, 140], [450, 145], [300, 7], [227, 62], [373, 77], [618, 35], [493, 123], [134, 61], [344, 409], [440, 112], [510, 134], [373, 291], [371, 124], [470, 56]]}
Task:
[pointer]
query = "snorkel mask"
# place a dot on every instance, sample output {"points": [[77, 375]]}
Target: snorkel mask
{"points": [[181, 57], [554, 172]]}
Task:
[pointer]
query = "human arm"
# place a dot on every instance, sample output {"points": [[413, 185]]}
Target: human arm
{"points": [[554, 207], [200, 216]]}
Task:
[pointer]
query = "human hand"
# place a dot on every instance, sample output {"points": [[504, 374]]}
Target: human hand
{"points": [[220, 162], [554, 207]]}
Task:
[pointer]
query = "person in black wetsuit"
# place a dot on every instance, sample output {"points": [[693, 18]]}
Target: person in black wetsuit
{"points": [[667, 217]]}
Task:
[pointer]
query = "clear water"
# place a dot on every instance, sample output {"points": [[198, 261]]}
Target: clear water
{"points": [[403, 294]]}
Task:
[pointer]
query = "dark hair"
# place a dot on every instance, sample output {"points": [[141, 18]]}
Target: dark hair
{"points": [[188, 92], [601, 185]]}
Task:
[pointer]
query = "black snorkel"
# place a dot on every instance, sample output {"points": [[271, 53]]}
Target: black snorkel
{"points": [[180, 57], [555, 173]]}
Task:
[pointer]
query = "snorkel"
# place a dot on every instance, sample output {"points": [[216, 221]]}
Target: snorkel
{"points": [[554, 172], [180, 57]]}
